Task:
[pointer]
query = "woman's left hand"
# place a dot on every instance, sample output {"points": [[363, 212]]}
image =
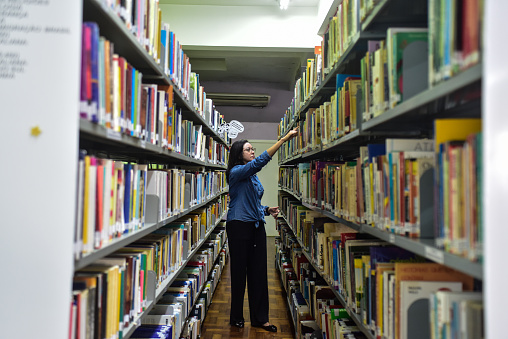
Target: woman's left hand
{"points": [[274, 211]]}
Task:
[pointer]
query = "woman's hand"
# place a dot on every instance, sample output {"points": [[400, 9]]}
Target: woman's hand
{"points": [[274, 211], [291, 134]]}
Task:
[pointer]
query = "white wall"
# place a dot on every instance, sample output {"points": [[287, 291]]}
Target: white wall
{"points": [[258, 131], [249, 26], [269, 178], [495, 180]]}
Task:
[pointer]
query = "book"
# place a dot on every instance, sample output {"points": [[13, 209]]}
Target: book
{"points": [[414, 306], [425, 272]]}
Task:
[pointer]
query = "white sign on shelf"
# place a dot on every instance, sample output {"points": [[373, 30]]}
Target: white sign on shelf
{"points": [[233, 128]]}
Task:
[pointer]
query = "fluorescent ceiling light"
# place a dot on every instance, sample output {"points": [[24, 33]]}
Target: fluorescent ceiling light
{"points": [[283, 4]]}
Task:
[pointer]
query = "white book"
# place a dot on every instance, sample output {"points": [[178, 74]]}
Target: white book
{"points": [[414, 306], [387, 275], [78, 229], [116, 95], [400, 145], [90, 197]]}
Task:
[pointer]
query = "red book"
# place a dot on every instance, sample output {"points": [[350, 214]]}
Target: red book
{"points": [[471, 36]]}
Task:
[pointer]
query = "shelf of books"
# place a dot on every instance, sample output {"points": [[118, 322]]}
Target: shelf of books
{"points": [[423, 247], [311, 298], [197, 152], [146, 61], [151, 182], [181, 303], [390, 152]]}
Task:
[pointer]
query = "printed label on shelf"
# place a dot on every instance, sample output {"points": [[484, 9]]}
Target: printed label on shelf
{"points": [[143, 143], [434, 254], [114, 135], [391, 238]]}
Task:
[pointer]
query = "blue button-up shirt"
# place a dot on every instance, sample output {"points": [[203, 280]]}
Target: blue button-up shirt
{"points": [[246, 191]]}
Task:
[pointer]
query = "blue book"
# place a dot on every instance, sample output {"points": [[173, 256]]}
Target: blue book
{"points": [[384, 254], [134, 82], [94, 103], [374, 150], [164, 34], [152, 331]]}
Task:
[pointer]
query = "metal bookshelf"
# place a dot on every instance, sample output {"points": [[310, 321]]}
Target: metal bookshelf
{"points": [[136, 235], [423, 247], [98, 137], [410, 109], [396, 13], [340, 297], [127, 46], [159, 291], [327, 86]]}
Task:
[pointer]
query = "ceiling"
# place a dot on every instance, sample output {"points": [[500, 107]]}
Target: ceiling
{"points": [[252, 70], [296, 3]]}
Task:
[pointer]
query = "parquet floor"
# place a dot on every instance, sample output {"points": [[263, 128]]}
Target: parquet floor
{"points": [[216, 324]]}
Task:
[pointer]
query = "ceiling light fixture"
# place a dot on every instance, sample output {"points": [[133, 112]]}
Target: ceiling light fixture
{"points": [[284, 4]]}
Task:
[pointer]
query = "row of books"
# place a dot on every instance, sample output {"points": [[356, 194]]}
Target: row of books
{"points": [[289, 177], [110, 294], [184, 309], [455, 37], [343, 26], [451, 44], [203, 105], [113, 95], [398, 186], [144, 19], [177, 190], [315, 309], [112, 198], [197, 224], [395, 293]]}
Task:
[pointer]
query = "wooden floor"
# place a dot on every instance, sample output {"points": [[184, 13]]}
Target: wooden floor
{"points": [[216, 324]]}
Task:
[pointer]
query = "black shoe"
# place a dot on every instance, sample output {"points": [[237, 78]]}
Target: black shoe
{"points": [[238, 324], [269, 328]]}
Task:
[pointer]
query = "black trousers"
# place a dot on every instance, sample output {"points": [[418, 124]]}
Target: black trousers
{"points": [[247, 250]]}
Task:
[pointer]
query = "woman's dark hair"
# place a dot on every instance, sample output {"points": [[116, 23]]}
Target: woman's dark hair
{"points": [[235, 156]]}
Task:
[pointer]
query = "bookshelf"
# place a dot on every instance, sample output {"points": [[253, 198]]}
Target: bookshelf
{"points": [[460, 96], [44, 95], [339, 296], [423, 247], [117, 145], [149, 228]]}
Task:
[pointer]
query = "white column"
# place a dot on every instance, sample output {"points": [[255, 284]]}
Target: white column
{"points": [[495, 164]]}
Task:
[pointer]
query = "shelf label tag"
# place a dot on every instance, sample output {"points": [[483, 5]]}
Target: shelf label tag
{"points": [[434, 254], [114, 135], [143, 143], [391, 238]]}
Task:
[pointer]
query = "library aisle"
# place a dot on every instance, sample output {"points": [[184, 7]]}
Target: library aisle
{"points": [[216, 324]]}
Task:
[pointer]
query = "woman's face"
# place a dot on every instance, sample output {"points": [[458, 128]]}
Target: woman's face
{"points": [[247, 153]]}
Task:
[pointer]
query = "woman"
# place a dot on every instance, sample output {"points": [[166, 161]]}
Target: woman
{"points": [[246, 232]]}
